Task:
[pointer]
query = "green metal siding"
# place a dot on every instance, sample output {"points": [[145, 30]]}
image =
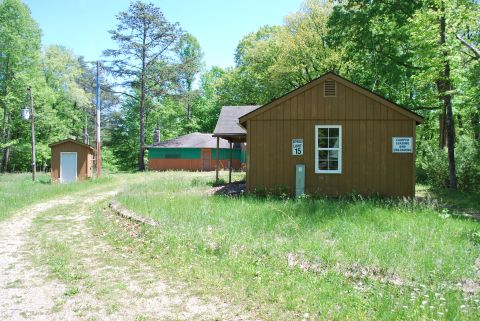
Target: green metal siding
{"points": [[225, 153], [192, 153], [178, 153], [243, 156]]}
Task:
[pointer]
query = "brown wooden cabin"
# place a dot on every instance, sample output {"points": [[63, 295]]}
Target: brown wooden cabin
{"points": [[349, 139], [71, 161]]}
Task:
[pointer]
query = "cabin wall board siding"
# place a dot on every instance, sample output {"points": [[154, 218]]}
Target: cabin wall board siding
{"points": [[368, 164]]}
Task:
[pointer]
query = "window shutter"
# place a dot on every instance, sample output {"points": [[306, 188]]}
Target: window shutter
{"points": [[329, 88]]}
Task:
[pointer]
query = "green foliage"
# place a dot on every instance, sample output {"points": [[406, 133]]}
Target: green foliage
{"points": [[109, 161], [433, 165], [124, 131], [19, 68], [142, 63], [475, 236], [468, 154], [277, 59], [60, 101]]}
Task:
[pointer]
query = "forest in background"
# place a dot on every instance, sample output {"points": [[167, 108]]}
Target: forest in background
{"points": [[424, 55]]}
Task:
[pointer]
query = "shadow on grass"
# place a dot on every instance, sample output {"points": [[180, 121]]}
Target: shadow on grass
{"points": [[459, 201]]}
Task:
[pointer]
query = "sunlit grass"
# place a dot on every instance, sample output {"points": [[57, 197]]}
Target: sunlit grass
{"points": [[321, 258], [18, 190]]}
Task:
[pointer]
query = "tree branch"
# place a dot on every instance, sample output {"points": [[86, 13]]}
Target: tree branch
{"points": [[470, 46], [425, 108], [119, 92]]}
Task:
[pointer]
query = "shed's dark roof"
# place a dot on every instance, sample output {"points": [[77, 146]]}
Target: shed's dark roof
{"points": [[227, 123], [194, 140], [69, 140]]}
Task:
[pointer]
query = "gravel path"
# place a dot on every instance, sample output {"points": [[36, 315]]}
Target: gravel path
{"points": [[111, 285]]}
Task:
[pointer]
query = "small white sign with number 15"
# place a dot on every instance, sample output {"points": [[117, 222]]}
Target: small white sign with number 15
{"points": [[297, 146]]}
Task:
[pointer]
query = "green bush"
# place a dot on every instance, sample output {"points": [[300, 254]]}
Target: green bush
{"points": [[468, 164], [432, 164], [109, 162]]}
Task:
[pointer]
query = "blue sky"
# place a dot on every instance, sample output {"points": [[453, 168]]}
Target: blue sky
{"points": [[82, 25]]}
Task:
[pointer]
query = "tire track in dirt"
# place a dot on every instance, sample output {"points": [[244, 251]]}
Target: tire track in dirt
{"points": [[24, 291], [114, 285]]}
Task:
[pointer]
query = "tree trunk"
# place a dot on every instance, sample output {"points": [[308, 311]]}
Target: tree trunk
{"points": [[5, 139], [444, 86], [476, 124], [141, 156], [85, 127], [443, 130], [6, 150]]}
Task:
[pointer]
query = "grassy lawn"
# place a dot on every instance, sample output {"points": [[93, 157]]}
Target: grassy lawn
{"points": [[18, 190], [355, 259]]}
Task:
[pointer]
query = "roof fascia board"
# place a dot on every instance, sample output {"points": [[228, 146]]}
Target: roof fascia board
{"points": [[69, 140]]}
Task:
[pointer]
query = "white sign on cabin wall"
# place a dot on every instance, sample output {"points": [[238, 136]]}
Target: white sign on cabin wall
{"points": [[297, 147], [402, 145]]}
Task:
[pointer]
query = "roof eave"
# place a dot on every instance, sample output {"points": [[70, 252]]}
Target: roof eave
{"points": [[72, 141], [228, 134]]}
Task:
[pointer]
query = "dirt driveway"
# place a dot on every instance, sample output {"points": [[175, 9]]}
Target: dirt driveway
{"points": [[54, 267]]}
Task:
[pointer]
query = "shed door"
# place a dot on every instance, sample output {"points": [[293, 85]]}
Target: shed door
{"points": [[68, 167], [206, 159]]}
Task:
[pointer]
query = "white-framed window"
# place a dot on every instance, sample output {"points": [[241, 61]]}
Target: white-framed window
{"points": [[328, 149]]}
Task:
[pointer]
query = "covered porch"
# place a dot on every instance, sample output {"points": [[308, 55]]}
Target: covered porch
{"points": [[229, 129]]}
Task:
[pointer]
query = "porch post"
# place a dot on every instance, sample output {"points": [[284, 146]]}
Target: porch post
{"points": [[218, 152], [230, 169]]}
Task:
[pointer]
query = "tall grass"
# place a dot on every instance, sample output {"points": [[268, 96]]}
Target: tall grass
{"points": [[18, 190], [315, 258]]}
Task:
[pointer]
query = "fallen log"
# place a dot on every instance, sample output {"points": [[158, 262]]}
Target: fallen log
{"points": [[130, 215]]}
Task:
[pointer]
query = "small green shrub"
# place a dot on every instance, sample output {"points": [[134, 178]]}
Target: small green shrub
{"points": [[109, 162], [468, 164], [475, 236], [433, 164]]}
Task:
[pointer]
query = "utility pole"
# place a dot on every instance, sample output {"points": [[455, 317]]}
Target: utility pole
{"points": [[32, 118], [99, 145], [85, 127]]}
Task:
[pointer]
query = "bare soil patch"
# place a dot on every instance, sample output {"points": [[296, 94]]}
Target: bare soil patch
{"points": [[232, 189]]}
